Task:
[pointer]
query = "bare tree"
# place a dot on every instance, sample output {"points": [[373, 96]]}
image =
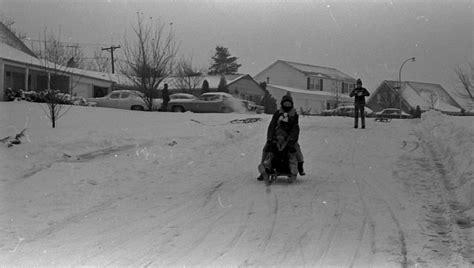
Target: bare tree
{"points": [[149, 60], [466, 80], [188, 77], [99, 62], [58, 81], [53, 50]]}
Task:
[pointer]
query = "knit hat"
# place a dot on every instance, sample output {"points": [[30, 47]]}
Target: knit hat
{"points": [[287, 98], [359, 81]]}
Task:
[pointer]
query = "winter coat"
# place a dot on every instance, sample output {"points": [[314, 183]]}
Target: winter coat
{"points": [[289, 122], [360, 93]]}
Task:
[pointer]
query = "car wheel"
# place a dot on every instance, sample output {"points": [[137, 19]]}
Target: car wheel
{"points": [[137, 108], [178, 109]]}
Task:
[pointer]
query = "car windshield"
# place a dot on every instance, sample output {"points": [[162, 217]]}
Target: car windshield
{"points": [[209, 97]]}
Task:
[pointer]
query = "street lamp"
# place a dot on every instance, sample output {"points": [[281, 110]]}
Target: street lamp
{"points": [[400, 83]]}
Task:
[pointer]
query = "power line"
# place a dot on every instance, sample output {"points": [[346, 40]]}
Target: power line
{"points": [[111, 49], [68, 43]]}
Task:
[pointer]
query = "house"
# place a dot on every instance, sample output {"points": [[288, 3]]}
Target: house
{"points": [[312, 102], [21, 69], [323, 87], [425, 95], [242, 86]]}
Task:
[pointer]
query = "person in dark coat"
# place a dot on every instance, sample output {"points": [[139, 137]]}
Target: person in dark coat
{"points": [[359, 103], [165, 95], [287, 119]]}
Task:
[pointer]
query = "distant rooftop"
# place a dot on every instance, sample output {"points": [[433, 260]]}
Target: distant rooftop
{"points": [[319, 71]]}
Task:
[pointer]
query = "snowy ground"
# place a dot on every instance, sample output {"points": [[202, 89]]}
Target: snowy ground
{"points": [[115, 187]]}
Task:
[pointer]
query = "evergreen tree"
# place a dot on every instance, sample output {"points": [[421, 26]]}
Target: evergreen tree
{"points": [[223, 62], [223, 85], [205, 87], [268, 102]]}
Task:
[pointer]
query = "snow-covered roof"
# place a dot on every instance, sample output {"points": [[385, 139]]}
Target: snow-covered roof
{"points": [[309, 92], [10, 53], [319, 71], [9, 38], [213, 80], [426, 95]]}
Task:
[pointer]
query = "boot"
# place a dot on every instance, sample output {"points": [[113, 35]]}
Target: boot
{"points": [[263, 173], [300, 169]]}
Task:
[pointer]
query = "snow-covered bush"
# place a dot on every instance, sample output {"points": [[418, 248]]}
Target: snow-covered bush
{"points": [[454, 144], [45, 96]]}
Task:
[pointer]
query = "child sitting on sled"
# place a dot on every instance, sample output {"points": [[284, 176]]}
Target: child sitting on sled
{"points": [[279, 157]]}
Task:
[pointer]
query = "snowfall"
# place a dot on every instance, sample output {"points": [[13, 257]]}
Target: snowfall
{"points": [[111, 187]]}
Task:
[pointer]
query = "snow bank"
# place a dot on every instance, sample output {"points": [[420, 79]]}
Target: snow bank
{"points": [[453, 142]]}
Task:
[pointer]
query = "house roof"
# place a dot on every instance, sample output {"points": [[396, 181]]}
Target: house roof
{"points": [[316, 71], [13, 54], [425, 95], [309, 92], [9, 38], [213, 80]]}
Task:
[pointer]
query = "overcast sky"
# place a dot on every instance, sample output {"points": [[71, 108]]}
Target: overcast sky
{"points": [[365, 39]]}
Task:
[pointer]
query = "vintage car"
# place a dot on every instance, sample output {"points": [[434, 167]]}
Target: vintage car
{"points": [[124, 99], [391, 113], [210, 102], [346, 111], [181, 96]]}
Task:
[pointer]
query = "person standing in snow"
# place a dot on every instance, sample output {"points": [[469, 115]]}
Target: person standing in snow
{"points": [[359, 103], [287, 119], [165, 95]]}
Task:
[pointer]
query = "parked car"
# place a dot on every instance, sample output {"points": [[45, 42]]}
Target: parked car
{"points": [[346, 111], [181, 96], [252, 107], [392, 113], [210, 102], [123, 99]]}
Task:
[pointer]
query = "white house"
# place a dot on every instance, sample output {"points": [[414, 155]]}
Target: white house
{"points": [[21, 69], [424, 95], [321, 87], [312, 102]]}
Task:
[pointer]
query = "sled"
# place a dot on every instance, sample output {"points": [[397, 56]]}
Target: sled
{"points": [[383, 119], [270, 177], [274, 176]]}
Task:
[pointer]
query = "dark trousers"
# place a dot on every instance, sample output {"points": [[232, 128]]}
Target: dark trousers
{"points": [[359, 109]]}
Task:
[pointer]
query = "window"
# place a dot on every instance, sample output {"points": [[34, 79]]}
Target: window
{"points": [[344, 88], [124, 95], [115, 95], [314, 84]]}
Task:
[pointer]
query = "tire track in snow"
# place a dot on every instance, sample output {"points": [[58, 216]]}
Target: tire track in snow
{"points": [[82, 157], [318, 256], [401, 234], [237, 236]]}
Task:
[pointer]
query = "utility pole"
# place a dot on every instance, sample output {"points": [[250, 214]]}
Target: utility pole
{"points": [[111, 49]]}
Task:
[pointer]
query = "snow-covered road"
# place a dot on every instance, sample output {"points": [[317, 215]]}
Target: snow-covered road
{"points": [[141, 189]]}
